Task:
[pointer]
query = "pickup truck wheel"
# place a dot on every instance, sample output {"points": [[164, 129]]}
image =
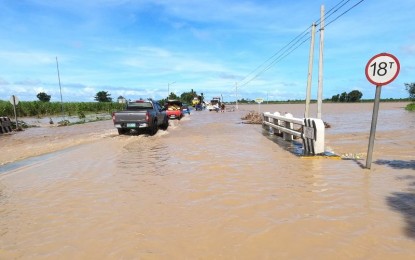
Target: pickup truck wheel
{"points": [[122, 131], [153, 129], [165, 124]]}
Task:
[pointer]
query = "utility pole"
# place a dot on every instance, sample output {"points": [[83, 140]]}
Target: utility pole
{"points": [[310, 71], [320, 65], [236, 94], [60, 88]]}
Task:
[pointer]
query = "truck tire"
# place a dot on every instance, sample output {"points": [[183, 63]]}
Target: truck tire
{"points": [[122, 131], [152, 130], [165, 124]]}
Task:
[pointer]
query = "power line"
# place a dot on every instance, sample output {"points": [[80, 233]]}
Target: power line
{"points": [[291, 46], [358, 3], [275, 54], [332, 11]]}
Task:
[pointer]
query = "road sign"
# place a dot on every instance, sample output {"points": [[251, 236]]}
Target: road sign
{"points": [[259, 100], [14, 100], [382, 69]]}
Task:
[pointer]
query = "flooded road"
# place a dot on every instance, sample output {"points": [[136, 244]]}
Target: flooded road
{"points": [[210, 188]]}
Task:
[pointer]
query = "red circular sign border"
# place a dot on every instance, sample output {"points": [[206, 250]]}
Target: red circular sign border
{"points": [[376, 56]]}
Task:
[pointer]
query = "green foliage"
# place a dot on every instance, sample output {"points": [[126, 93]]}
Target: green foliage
{"points": [[81, 114], [353, 96], [42, 96], [410, 87], [103, 96], [335, 98], [187, 97], [40, 109], [410, 107], [173, 96]]}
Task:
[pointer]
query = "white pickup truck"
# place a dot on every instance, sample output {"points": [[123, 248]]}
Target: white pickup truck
{"points": [[214, 104]]}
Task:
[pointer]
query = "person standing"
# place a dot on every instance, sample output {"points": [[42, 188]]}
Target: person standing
{"points": [[222, 107]]}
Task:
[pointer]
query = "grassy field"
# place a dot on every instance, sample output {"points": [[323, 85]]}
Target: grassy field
{"points": [[42, 109]]}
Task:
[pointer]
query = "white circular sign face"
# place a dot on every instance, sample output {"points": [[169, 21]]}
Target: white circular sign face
{"points": [[382, 69], [15, 101]]}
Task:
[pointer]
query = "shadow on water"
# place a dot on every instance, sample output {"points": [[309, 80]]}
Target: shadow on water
{"points": [[295, 147], [404, 202], [397, 164]]}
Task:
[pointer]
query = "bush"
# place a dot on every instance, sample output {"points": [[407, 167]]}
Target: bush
{"points": [[410, 107]]}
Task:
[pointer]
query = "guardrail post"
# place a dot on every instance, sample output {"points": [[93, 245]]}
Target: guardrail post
{"points": [[290, 126], [277, 122], [313, 136]]}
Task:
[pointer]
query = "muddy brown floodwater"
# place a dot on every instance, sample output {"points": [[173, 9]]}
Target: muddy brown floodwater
{"points": [[210, 188]]}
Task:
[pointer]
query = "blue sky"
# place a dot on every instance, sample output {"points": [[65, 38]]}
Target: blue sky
{"points": [[138, 48]]}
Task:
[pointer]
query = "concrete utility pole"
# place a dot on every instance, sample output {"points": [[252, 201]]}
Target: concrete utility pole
{"points": [[236, 94], [320, 65], [310, 71], [60, 88]]}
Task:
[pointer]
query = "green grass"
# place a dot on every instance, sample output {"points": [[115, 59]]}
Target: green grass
{"points": [[44, 109], [410, 107]]}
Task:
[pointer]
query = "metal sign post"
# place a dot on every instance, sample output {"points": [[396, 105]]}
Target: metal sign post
{"points": [[381, 70], [373, 127], [259, 101], [14, 101]]}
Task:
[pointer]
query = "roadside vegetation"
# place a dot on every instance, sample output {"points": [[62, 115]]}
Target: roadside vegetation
{"points": [[410, 87], [104, 104], [45, 109]]}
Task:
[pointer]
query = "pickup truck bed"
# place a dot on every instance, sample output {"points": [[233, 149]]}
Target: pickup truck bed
{"points": [[139, 115]]}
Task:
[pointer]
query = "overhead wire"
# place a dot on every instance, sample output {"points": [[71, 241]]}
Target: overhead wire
{"points": [[291, 46], [275, 54]]}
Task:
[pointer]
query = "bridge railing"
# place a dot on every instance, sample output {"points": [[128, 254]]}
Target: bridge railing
{"points": [[5, 125], [310, 130]]}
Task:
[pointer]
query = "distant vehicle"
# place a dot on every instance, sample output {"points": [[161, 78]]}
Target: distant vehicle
{"points": [[195, 101], [185, 109], [174, 109], [145, 115], [214, 104]]}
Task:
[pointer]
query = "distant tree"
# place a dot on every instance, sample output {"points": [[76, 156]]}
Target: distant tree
{"points": [[121, 99], [410, 87], [343, 97], [335, 98], [187, 97], [42, 96], [354, 96], [103, 96], [173, 96]]}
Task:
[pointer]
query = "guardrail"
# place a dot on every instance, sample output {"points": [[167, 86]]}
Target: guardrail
{"points": [[310, 130], [5, 125]]}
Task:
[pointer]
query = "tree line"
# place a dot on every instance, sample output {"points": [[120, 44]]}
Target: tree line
{"points": [[352, 96]]}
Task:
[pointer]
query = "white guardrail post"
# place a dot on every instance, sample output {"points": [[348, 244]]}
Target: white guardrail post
{"points": [[290, 126], [311, 130]]}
